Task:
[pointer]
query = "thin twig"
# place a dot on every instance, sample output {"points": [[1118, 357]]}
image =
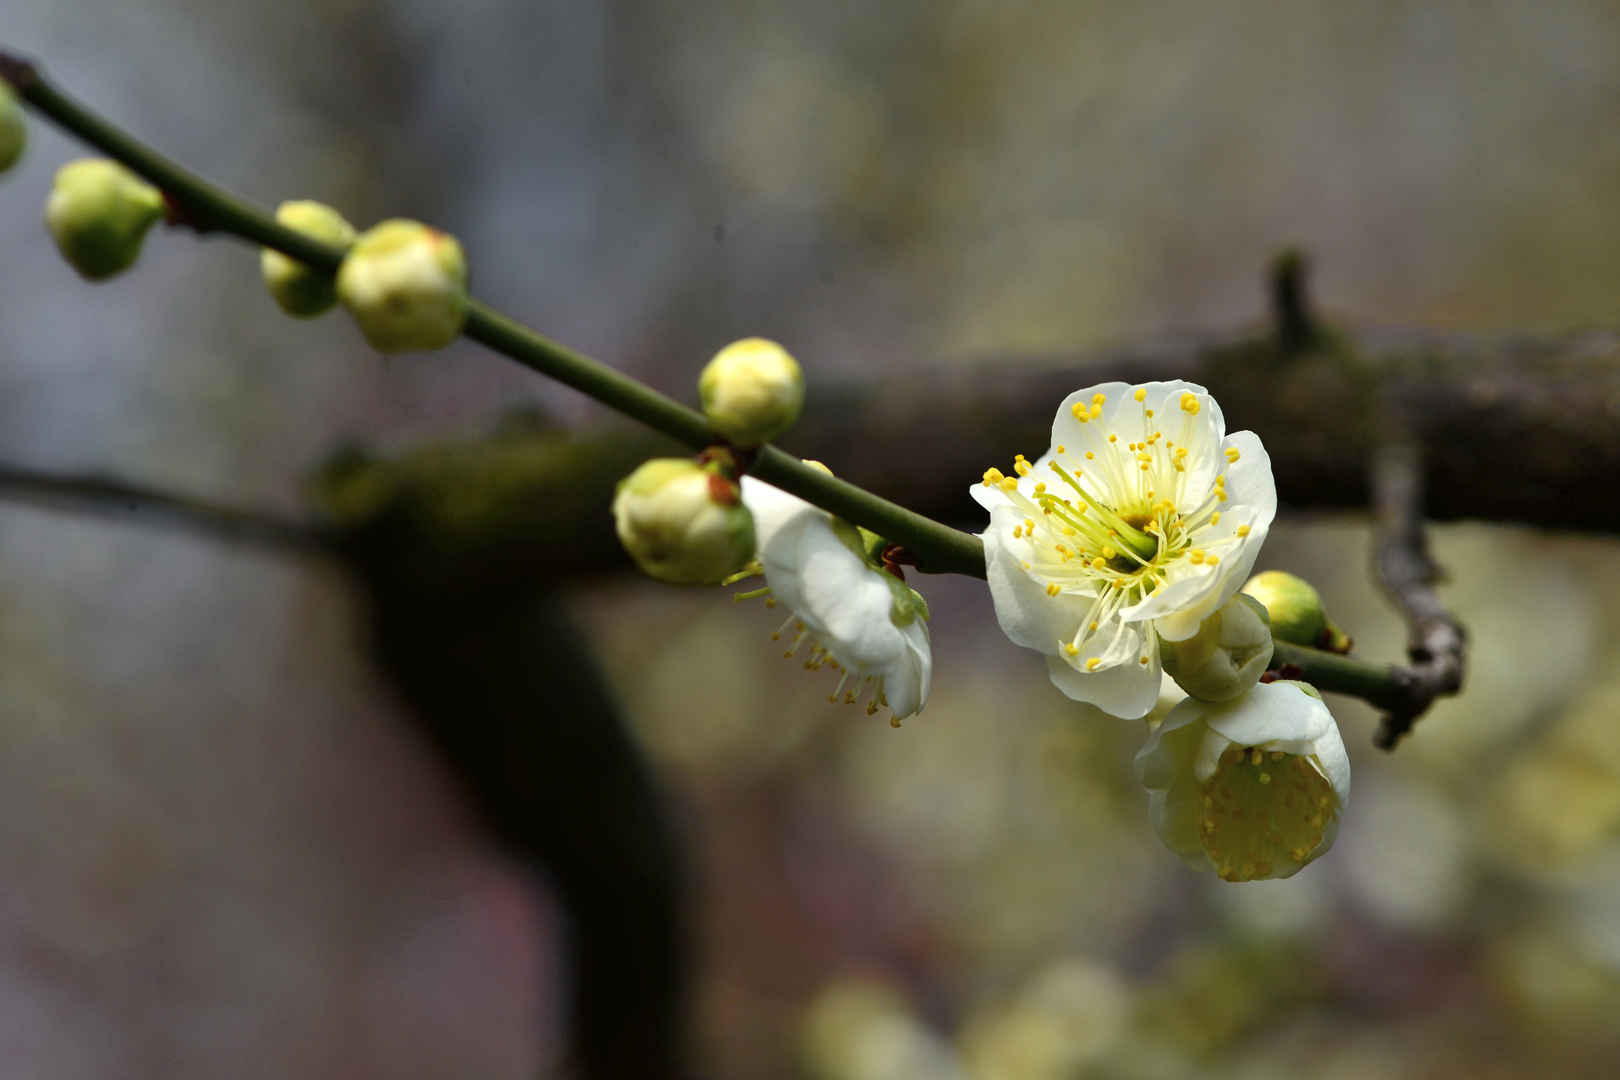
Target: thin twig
{"points": [[133, 502], [1438, 645], [207, 207]]}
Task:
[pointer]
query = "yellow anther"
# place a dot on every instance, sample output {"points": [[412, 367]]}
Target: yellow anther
{"points": [[1213, 559], [1009, 484], [1062, 449], [1150, 414], [1067, 531], [1232, 453], [1098, 563], [1144, 457], [1096, 410], [1113, 438], [1093, 628], [1189, 404], [1254, 758], [1109, 553], [1079, 410], [1093, 664], [1021, 467], [1141, 392], [1181, 451], [1195, 556], [1098, 399], [1090, 456], [1061, 549], [1243, 530], [1029, 526], [1143, 660], [1053, 588], [1146, 467], [1215, 518], [1018, 532], [1072, 649], [993, 476], [1040, 487]]}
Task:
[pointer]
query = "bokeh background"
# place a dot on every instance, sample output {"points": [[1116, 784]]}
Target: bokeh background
{"points": [[223, 851]]}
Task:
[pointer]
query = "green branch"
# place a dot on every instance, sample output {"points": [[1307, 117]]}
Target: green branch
{"points": [[207, 208]]}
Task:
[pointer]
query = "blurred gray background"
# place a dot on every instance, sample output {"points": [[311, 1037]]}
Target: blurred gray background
{"points": [[222, 851]]}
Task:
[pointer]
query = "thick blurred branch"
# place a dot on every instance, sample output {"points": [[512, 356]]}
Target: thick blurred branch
{"points": [[122, 501]]}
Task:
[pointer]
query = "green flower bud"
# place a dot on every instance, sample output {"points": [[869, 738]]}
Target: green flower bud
{"points": [[1297, 615], [682, 523], [406, 286], [752, 391], [300, 291], [1227, 655], [13, 128], [98, 212]]}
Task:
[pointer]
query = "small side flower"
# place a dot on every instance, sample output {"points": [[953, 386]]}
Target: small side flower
{"points": [[1250, 788], [98, 214], [859, 619], [301, 292], [682, 523]]}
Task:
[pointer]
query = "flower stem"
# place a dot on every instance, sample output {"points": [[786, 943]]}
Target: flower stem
{"points": [[206, 208], [1382, 686]]}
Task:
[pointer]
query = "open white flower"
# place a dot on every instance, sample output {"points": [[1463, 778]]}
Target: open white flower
{"points": [[860, 620], [1249, 788], [1142, 519]]}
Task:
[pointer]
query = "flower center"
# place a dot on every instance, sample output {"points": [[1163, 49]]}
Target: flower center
{"points": [[1262, 808]]}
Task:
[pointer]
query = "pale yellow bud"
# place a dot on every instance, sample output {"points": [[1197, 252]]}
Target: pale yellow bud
{"points": [[1227, 655], [13, 127], [683, 524], [1297, 615], [752, 391], [406, 286], [300, 291], [98, 213]]}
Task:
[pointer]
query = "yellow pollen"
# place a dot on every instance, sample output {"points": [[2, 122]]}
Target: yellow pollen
{"points": [[1243, 530], [1040, 487], [1150, 414], [1098, 399], [1009, 484], [1109, 553], [1143, 660], [1029, 526], [1113, 438], [1067, 531], [1093, 664], [1062, 449], [1072, 649], [1079, 410], [1255, 760], [1213, 559], [1196, 556], [1189, 404], [1021, 467], [1141, 392], [1053, 588], [1090, 456], [1232, 454], [1215, 518], [1096, 411], [1098, 563], [1018, 532], [1144, 457], [992, 476], [1093, 628]]}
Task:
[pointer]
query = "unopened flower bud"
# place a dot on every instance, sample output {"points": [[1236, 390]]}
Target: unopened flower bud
{"points": [[406, 285], [752, 391], [13, 128], [1227, 655], [98, 212], [300, 291], [682, 523], [1297, 615]]}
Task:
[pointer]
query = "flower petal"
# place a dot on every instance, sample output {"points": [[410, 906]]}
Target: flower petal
{"points": [[1128, 691]]}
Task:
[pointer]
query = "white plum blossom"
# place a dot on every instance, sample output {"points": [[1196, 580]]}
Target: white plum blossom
{"points": [[1250, 788], [860, 620], [1142, 519]]}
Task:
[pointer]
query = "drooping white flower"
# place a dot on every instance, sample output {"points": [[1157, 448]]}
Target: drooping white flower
{"points": [[1142, 519], [860, 620], [1249, 788]]}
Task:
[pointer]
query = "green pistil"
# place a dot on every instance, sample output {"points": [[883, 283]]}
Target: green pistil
{"points": [[1127, 535]]}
